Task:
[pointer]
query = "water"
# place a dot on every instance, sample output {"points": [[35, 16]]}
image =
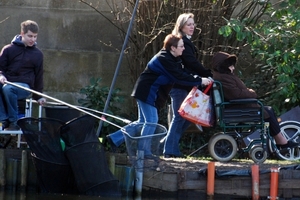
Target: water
{"points": [[10, 195]]}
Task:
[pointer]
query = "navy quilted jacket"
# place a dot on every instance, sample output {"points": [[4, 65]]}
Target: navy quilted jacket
{"points": [[162, 69]]}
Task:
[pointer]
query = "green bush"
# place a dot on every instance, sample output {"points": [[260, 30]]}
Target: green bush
{"points": [[95, 98], [275, 43]]}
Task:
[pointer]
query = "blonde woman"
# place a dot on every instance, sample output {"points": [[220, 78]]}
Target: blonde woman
{"points": [[185, 27]]}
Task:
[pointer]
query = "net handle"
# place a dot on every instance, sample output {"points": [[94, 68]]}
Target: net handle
{"points": [[164, 131]]}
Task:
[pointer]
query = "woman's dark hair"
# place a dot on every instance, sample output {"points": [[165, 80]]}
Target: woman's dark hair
{"points": [[171, 40]]}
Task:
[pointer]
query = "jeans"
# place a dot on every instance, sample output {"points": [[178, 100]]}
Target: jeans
{"points": [[9, 96], [146, 114], [178, 124]]}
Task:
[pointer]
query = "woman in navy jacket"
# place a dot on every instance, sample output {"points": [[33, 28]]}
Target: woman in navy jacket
{"points": [[163, 69]]}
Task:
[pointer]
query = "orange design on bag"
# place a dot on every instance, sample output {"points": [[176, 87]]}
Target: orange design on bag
{"points": [[194, 104]]}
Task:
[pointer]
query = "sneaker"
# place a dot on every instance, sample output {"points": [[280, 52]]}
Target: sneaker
{"points": [[5, 124], [151, 157], [12, 127], [169, 156], [289, 144], [173, 156], [112, 145]]}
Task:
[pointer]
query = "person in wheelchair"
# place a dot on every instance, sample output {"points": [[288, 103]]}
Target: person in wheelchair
{"points": [[234, 88]]}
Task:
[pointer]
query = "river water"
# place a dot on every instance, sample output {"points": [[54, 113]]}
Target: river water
{"points": [[10, 195]]}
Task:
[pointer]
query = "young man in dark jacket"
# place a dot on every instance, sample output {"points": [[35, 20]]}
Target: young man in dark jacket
{"points": [[21, 62]]}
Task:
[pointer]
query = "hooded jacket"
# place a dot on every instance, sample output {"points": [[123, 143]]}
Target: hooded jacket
{"points": [[233, 86], [163, 69], [20, 63]]}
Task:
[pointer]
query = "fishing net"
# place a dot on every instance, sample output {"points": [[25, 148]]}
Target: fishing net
{"points": [[143, 144], [61, 112], [54, 177], [87, 158], [53, 169]]}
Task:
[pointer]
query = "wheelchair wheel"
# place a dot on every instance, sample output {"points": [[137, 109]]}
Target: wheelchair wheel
{"points": [[291, 130], [258, 155], [222, 147]]}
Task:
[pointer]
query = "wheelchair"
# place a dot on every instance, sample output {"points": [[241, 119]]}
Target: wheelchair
{"points": [[238, 122]]}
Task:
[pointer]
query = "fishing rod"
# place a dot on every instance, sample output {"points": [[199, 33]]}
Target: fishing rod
{"points": [[119, 62], [62, 102]]}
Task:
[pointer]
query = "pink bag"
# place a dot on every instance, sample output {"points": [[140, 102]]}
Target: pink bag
{"points": [[197, 107]]}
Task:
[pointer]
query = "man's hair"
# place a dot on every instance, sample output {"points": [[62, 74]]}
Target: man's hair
{"points": [[29, 25], [171, 40], [181, 20]]}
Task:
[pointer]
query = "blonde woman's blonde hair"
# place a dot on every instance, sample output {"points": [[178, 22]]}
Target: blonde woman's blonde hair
{"points": [[181, 20]]}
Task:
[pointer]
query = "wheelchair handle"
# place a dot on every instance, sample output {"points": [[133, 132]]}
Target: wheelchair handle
{"points": [[208, 88]]}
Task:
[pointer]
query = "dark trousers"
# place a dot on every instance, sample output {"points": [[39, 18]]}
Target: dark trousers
{"points": [[274, 125]]}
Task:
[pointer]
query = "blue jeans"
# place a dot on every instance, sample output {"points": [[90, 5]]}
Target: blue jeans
{"points": [[9, 96], [178, 124], [146, 114]]}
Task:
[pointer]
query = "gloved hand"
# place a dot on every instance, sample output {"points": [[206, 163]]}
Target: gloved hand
{"points": [[206, 81], [41, 101]]}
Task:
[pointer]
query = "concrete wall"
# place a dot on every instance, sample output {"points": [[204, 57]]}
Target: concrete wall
{"points": [[70, 35]]}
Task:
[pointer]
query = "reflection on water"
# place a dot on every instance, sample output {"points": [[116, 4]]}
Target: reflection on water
{"points": [[147, 195], [10, 195], [32, 196]]}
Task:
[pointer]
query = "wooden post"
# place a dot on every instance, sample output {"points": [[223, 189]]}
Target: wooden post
{"points": [[210, 178], [14, 174], [24, 170], [23, 196], [255, 182], [139, 172], [2, 168], [2, 193], [112, 164]]}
